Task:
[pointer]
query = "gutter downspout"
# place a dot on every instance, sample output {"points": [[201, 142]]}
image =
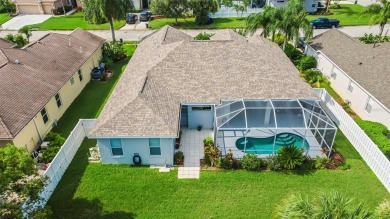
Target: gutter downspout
{"points": [[39, 133]]}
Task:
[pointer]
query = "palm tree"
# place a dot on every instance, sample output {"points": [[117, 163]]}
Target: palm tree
{"points": [[100, 11], [26, 31], [380, 14], [331, 205], [262, 19], [293, 21]]}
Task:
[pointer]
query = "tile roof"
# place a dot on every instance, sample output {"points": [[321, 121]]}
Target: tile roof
{"points": [[6, 44], [368, 66], [44, 67], [169, 68]]}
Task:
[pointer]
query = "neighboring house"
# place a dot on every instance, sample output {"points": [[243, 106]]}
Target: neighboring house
{"points": [[310, 5], [235, 86], [358, 72], [43, 6], [40, 81]]}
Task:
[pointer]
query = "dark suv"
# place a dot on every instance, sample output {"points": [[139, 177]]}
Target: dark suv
{"points": [[131, 18], [145, 16]]}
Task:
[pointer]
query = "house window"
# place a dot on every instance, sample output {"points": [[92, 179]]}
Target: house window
{"points": [[368, 106], [58, 100], [71, 80], [45, 117], [201, 108], [184, 110], [154, 146], [350, 86], [80, 75], [313, 5], [116, 147]]}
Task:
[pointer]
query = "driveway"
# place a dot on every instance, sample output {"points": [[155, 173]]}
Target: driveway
{"points": [[24, 19], [139, 25]]}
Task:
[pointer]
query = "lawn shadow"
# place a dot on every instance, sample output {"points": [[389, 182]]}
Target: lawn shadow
{"points": [[297, 172], [90, 209]]}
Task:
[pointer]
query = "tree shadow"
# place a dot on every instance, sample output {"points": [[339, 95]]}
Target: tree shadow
{"points": [[90, 209]]}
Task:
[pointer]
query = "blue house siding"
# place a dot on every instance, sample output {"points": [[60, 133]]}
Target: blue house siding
{"points": [[198, 117], [140, 146]]}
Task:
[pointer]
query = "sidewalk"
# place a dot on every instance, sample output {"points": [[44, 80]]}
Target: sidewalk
{"points": [[131, 35]]}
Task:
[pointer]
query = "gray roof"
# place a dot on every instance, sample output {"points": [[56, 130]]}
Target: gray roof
{"points": [[6, 44], [169, 68], [368, 66], [45, 66]]}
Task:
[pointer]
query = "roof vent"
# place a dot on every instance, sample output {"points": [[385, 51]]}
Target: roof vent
{"points": [[360, 63], [17, 61]]}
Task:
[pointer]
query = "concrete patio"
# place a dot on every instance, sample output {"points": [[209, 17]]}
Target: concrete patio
{"points": [[193, 149]]}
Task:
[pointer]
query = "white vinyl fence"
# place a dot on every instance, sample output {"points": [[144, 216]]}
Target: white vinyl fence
{"points": [[370, 152], [61, 161], [230, 12]]}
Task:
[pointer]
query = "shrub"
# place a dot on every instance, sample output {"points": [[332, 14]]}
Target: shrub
{"points": [[204, 36], [344, 166], [321, 162], [378, 134], [229, 161], [7, 7], [49, 154], [290, 157], [315, 78], [279, 39], [383, 210], [273, 162], [211, 153], [179, 158], [114, 51], [308, 164], [307, 62], [54, 139], [370, 39], [337, 159], [251, 162], [292, 52]]}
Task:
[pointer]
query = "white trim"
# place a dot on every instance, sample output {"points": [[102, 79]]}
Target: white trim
{"points": [[357, 84]]}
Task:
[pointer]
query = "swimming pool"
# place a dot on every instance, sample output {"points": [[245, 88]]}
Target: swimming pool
{"points": [[266, 145]]}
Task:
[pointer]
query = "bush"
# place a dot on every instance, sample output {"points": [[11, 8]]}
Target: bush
{"points": [[179, 158], [344, 166], [54, 139], [337, 159], [378, 134], [7, 7], [321, 162], [208, 141], [251, 162], [370, 39], [114, 51], [204, 36], [49, 153], [383, 210], [290, 157], [307, 62], [279, 39], [211, 153], [273, 162], [315, 78], [308, 164], [293, 53], [229, 161]]}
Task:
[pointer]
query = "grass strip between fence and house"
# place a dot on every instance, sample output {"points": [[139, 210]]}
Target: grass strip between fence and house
{"points": [[93, 190], [72, 22], [4, 17], [92, 99]]}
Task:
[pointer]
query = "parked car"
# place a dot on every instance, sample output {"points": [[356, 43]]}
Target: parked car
{"points": [[324, 23], [97, 73], [131, 18], [145, 16]]}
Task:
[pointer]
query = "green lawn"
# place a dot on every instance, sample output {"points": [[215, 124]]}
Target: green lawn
{"points": [[4, 18], [72, 22], [189, 23], [92, 99], [119, 191], [349, 15]]}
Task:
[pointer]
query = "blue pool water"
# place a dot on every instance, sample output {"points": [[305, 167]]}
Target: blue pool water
{"points": [[266, 145]]}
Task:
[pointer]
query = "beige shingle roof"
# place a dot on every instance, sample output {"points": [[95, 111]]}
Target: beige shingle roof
{"points": [[45, 66], [169, 68], [368, 66], [6, 44]]}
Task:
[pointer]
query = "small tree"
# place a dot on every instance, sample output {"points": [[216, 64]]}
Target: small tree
{"points": [[241, 6], [202, 8], [20, 184], [290, 157], [26, 31], [100, 11], [170, 8], [380, 14]]}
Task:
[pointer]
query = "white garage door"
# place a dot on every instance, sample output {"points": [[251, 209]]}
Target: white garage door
{"points": [[28, 9]]}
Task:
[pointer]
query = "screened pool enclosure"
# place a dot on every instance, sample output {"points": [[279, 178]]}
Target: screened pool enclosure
{"points": [[262, 127]]}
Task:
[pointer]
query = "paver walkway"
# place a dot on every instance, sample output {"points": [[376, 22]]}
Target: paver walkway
{"points": [[193, 149]]}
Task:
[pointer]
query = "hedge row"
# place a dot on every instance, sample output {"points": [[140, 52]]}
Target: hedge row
{"points": [[378, 134]]}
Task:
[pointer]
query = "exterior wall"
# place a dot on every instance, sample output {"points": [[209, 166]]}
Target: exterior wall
{"points": [[137, 4], [140, 146], [4, 143], [358, 97], [29, 135], [282, 3], [200, 117], [34, 7], [48, 8]]}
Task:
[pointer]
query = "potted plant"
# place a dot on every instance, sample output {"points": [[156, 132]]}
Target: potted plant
{"points": [[199, 127]]}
